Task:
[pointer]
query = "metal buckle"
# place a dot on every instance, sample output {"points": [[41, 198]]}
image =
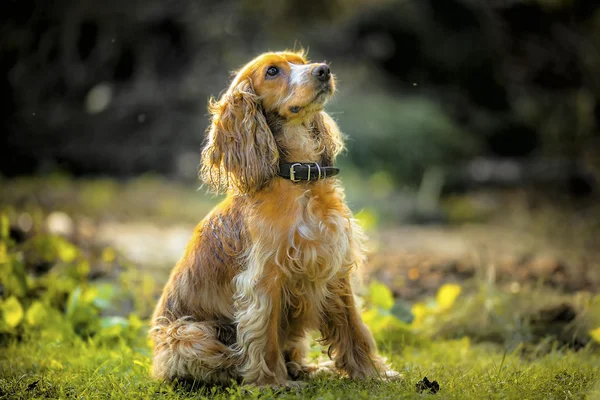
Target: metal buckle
{"points": [[293, 173], [319, 169]]}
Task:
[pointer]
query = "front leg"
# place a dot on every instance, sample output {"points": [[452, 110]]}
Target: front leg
{"points": [[295, 353], [258, 305], [295, 356], [351, 344], [295, 361]]}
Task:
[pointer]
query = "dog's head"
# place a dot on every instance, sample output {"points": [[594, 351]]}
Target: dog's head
{"points": [[288, 85], [241, 153]]}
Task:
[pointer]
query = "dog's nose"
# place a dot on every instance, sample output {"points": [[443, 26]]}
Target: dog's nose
{"points": [[322, 72]]}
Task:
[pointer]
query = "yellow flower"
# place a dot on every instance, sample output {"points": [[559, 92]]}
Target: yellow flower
{"points": [[419, 311], [12, 312], [447, 295], [595, 334]]}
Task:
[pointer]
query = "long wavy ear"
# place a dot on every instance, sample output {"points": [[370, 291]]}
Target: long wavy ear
{"points": [[330, 137], [240, 151]]}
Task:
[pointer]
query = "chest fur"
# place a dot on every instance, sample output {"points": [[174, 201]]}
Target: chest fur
{"points": [[306, 230], [317, 250], [318, 240], [302, 235]]}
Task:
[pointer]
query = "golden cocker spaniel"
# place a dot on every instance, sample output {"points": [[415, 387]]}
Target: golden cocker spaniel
{"points": [[272, 261]]}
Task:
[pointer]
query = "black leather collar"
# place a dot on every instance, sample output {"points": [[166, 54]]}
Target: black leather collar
{"points": [[298, 171]]}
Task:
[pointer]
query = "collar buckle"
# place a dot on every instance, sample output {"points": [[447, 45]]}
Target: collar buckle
{"points": [[293, 172]]}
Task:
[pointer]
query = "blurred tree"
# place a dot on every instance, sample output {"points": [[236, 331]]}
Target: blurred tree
{"points": [[521, 74], [121, 88]]}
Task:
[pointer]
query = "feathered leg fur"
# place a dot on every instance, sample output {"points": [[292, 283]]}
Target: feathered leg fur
{"points": [[191, 350]]}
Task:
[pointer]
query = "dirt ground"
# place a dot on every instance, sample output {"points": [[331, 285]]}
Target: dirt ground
{"points": [[415, 260]]}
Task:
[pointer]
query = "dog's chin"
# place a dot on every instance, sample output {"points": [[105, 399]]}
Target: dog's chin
{"points": [[323, 96], [314, 105]]}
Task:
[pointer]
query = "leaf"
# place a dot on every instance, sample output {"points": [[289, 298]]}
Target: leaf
{"points": [[104, 295], [51, 248], [367, 219], [82, 268], [134, 321], [113, 326], [14, 278], [89, 295], [419, 311], [369, 316], [36, 313], [73, 301], [447, 295], [12, 312], [3, 253], [4, 226], [109, 322], [67, 252], [377, 320], [595, 334], [381, 295], [403, 312]]}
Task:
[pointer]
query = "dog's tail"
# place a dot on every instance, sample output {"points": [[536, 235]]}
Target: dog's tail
{"points": [[188, 349]]}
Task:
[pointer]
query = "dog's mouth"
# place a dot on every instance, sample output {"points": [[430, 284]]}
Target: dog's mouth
{"points": [[321, 96]]}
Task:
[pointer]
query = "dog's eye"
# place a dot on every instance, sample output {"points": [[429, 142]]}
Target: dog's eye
{"points": [[272, 71]]}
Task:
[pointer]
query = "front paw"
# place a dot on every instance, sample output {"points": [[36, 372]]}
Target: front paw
{"points": [[298, 371], [391, 375], [378, 370]]}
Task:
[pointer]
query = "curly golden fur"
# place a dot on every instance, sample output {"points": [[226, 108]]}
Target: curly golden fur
{"points": [[272, 261]]}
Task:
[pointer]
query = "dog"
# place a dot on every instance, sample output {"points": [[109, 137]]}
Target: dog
{"points": [[274, 259]]}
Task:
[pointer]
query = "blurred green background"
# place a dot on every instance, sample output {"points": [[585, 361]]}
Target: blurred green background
{"points": [[456, 111], [120, 89]]}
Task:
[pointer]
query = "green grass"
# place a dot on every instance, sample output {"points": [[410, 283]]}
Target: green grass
{"points": [[87, 369]]}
